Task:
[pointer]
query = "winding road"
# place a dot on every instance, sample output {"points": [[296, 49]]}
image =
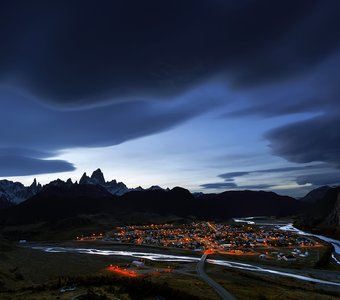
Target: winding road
{"points": [[223, 293]]}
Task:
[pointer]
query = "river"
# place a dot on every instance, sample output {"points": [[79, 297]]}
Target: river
{"points": [[181, 258], [335, 243], [290, 227]]}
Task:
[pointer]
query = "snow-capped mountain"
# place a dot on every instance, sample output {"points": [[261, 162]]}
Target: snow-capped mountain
{"points": [[16, 192], [113, 187]]}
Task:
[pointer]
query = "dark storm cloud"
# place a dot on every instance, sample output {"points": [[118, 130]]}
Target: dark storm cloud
{"points": [[316, 139], [29, 125], [232, 175], [219, 185], [314, 93], [26, 152], [233, 186], [12, 165], [279, 109], [319, 179], [316, 179], [71, 52], [26, 125], [98, 72], [256, 186]]}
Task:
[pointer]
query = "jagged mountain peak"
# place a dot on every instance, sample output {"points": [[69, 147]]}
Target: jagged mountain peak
{"points": [[57, 182], [16, 192], [35, 187], [114, 181], [98, 177], [7, 183], [34, 183], [84, 179]]}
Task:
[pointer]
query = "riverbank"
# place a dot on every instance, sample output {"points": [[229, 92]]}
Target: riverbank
{"points": [[335, 243]]}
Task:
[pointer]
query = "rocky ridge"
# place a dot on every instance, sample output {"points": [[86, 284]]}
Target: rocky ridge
{"points": [[12, 193], [16, 192]]}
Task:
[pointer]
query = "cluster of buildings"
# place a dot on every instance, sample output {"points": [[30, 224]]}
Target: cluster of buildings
{"points": [[251, 236], [164, 235], [225, 238]]}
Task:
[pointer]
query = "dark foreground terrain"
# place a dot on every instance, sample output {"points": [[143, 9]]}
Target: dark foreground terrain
{"points": [[31, 274]]}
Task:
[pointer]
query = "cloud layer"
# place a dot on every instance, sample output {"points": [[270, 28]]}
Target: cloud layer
{"points": [[71, 54], [12, 165], [316, 139], [98, 74], [26, 126], [314, 175]]}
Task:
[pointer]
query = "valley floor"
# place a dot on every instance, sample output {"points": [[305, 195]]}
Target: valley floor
{"points": [[30, 274]]}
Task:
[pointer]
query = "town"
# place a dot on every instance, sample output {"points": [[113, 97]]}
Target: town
{"points": [[231, 239]]}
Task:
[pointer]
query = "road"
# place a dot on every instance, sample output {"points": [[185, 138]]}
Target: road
{"points": [[224, 294]]}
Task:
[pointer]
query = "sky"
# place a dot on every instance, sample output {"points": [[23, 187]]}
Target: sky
{"points": [[208, 95]]}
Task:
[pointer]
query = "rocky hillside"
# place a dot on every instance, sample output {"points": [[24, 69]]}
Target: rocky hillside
{"points": [[316, 194], [324, 215], [63, 200], [333, 219], [15, 192], [97, 178], [12, 193]]}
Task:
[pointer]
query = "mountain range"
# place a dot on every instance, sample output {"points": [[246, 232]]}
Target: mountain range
{"points": [[12, 193], [15, 192], [93, 195]]}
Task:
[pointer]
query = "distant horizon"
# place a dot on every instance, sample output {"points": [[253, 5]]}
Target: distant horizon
{"points": [[30, 180]]}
